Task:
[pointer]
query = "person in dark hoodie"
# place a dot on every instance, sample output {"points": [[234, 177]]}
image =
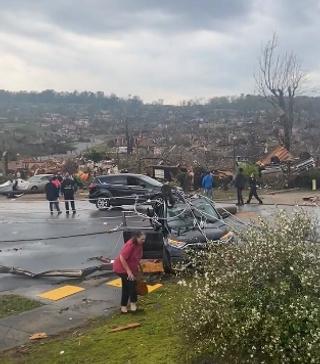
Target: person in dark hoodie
{"points": [[68, 189], [52, 192], [240, 183], [253, 189]]}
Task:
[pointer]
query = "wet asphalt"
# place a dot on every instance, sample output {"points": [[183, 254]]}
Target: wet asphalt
{"points": [[50, 244]]}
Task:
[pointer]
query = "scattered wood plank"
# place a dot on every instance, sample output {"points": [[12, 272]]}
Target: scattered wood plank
{"points": [[38, 336], [126, 327]]}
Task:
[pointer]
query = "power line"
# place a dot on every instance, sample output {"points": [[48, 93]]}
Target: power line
{"points": [[63, 236]]}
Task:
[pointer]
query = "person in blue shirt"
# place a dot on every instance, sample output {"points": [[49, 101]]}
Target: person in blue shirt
{"points": [[208, 184]]}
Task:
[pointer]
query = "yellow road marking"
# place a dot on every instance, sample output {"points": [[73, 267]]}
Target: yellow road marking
{"points": [[117, 283], [61, 292]]}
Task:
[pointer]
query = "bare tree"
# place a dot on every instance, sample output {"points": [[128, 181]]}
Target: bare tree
{"points": [[278, 79]]}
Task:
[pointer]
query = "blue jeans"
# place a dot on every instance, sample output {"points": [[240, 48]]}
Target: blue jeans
{"points": [[208, 192]]}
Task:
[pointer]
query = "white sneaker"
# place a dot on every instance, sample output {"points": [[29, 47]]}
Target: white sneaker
{"points": [[124, 309], [133, 307]]}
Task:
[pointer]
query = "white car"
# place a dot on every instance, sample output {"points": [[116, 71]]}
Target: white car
{"points": [[38, 182], [7, 187]]}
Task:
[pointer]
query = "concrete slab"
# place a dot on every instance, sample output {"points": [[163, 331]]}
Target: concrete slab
{"points": [[46, 318], [10, 337], [59, 316]]}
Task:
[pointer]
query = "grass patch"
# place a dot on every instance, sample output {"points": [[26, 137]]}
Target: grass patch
{"points": [[13, 304], [156, 341]]}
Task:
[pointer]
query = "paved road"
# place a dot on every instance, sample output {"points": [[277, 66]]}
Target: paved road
{"points": [[20, 220], [31, 220]]}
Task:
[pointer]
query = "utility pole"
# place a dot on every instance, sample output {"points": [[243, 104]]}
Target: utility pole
{"points": [[128, 138]]}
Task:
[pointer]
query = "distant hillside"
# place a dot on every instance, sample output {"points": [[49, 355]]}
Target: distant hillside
{"points": [[37, 123]]}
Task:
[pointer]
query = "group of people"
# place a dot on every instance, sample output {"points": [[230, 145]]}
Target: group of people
{"points": [[240, 181], [240, 184], [65, 186]]}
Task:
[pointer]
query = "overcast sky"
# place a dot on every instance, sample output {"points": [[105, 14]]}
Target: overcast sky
{"points": [[169, 49]]}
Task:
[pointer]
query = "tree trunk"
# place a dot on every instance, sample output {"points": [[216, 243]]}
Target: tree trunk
{"points": [[286, 119], [287, 130], [290, 118]]}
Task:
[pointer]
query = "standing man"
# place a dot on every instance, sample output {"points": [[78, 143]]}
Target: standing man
{"points": [[208, 184], [190, 179], [253, 189], [182, 177], [68, 189], [52, 192], [240, 183]]}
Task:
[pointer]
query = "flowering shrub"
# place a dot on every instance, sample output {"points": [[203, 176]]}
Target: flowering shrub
{"points": [[257, 300]]}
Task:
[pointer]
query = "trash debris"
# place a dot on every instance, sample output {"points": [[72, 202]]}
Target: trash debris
{"points": [[86, 300], [23, 349], [38, 336], [311, 198], [63, 309], [102, 259], [126, 327], [61, 352]]}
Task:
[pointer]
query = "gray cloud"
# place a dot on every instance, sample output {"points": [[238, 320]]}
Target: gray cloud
{"points": [[170, 49], [103, 16]]}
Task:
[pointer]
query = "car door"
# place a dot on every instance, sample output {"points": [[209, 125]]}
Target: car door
{"points": [[42, 183], [118, 187], [153, 247], [136, 186]]}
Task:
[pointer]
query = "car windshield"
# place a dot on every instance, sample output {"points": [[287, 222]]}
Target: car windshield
{"points": [[182, 217], [204, 209]]}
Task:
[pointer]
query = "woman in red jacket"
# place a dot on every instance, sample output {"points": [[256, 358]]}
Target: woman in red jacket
{"points": [[126, 265]]}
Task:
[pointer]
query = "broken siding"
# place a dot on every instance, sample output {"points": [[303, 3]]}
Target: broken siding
{"points": [[280, 152]]}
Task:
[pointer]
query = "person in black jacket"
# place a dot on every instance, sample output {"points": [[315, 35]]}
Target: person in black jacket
{"points": [[253, 189], [52, 192], [68, 189], [240, 183]]}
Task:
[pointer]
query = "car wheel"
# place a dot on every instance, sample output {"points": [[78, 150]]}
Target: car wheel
{"points": [[103, 203], [34, 189]]}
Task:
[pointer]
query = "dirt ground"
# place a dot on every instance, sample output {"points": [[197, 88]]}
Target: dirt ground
{"points": [[290, 197]]}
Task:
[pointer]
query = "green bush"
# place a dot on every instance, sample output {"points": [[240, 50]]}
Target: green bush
{"points": [[256, 300], [248, 169]]}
